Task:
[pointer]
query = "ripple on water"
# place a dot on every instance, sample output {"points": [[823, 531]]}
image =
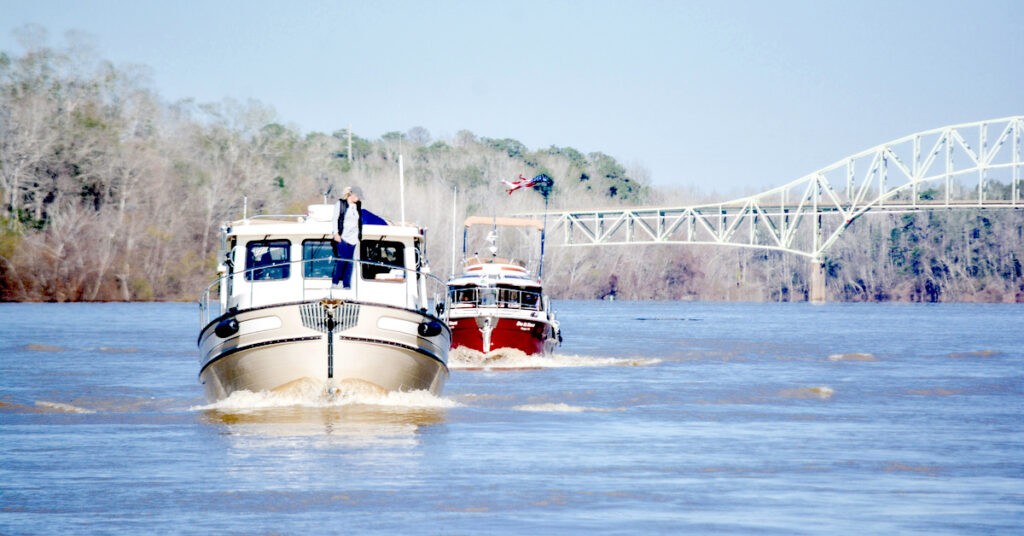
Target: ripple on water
{"points": [[61, 408], [35, 347], [563, 408], [980, 353], [771, 396], [853, 357], [894, 467], [935, 392], [819, 393], [96, 405], [16, 408], [38, 347]]}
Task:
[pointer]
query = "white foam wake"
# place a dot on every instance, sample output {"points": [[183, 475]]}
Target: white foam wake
{"points": [[307, 394], [507, 358], [563, 408], [60, 407]]}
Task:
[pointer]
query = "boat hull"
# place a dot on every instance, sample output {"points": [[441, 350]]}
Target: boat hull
{"points": [[294, 344], [530, 336]]}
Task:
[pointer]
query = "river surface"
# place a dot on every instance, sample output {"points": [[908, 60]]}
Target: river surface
{"points": [[652, 418]]}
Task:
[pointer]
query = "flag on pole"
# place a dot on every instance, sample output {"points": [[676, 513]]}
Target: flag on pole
{"points": [[526, 183]]}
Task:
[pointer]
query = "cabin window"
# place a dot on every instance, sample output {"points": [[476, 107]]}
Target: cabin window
{"points": [[506, 297], [312, 252], [385, 254], [230, 262], [267, 260], [529, 300], [463, 296]]}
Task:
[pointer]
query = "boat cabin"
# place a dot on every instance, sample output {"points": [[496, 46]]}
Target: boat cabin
{"points": [[281, 259], [495, 282]]}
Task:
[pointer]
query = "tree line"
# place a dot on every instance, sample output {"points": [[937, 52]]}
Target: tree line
{"points": [[109, 192]]}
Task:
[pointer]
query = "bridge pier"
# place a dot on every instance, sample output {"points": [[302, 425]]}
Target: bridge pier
{"points": [[817, 294]]}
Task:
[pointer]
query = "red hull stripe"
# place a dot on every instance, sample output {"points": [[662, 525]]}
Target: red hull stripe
{"points": [[527, 336]]}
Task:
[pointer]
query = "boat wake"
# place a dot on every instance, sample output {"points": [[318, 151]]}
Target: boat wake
{"points": [[511, 359], [563, 408], [314, 394], [59, 407]]}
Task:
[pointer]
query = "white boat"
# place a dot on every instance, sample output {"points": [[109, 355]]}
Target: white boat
{"points": [[497, 303], [273, 320]]}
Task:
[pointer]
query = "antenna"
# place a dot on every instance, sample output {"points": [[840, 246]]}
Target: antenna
{"points": [[455, 202], [328, 186], [492, 237], [401, 186]]}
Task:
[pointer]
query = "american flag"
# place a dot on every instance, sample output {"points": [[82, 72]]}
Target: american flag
{"points": [[526, 183]]}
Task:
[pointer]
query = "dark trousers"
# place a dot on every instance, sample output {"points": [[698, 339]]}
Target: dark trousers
{"points": [[342, 269]]}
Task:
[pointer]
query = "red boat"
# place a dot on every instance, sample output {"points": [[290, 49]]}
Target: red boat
{"points": [[496, 303]]}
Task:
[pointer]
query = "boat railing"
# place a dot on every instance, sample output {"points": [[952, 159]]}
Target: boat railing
{"points": [[495, 297], [420, 290], [270, 218]]}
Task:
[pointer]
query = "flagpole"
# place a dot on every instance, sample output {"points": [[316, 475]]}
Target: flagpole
{"points": [[540, 269]]}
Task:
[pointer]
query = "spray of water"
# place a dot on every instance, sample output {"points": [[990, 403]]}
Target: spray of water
{"points": [[507, 358], [314, 394]]}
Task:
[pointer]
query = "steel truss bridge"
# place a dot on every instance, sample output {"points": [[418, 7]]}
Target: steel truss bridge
{"points": [[972, 165]]}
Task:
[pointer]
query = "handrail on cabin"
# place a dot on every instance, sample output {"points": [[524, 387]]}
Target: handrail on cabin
{"points": [[204, 296]]}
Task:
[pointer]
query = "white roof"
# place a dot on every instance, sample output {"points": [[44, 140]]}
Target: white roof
{"points": [[315, 229], [491, 280], [492, 274], [318, 223]]}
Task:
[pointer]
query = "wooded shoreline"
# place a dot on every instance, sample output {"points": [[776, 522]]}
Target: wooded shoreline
{"points": [[109, 193]]}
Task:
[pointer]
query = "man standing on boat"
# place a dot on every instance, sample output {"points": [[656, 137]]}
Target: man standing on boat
{"points": [[350, 215]]}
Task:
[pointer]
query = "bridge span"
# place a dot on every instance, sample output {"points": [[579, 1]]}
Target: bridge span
{"points": [[967, 166]]}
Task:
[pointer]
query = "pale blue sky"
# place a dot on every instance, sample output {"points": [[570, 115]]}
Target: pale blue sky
{"points": [[726, 97]]}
